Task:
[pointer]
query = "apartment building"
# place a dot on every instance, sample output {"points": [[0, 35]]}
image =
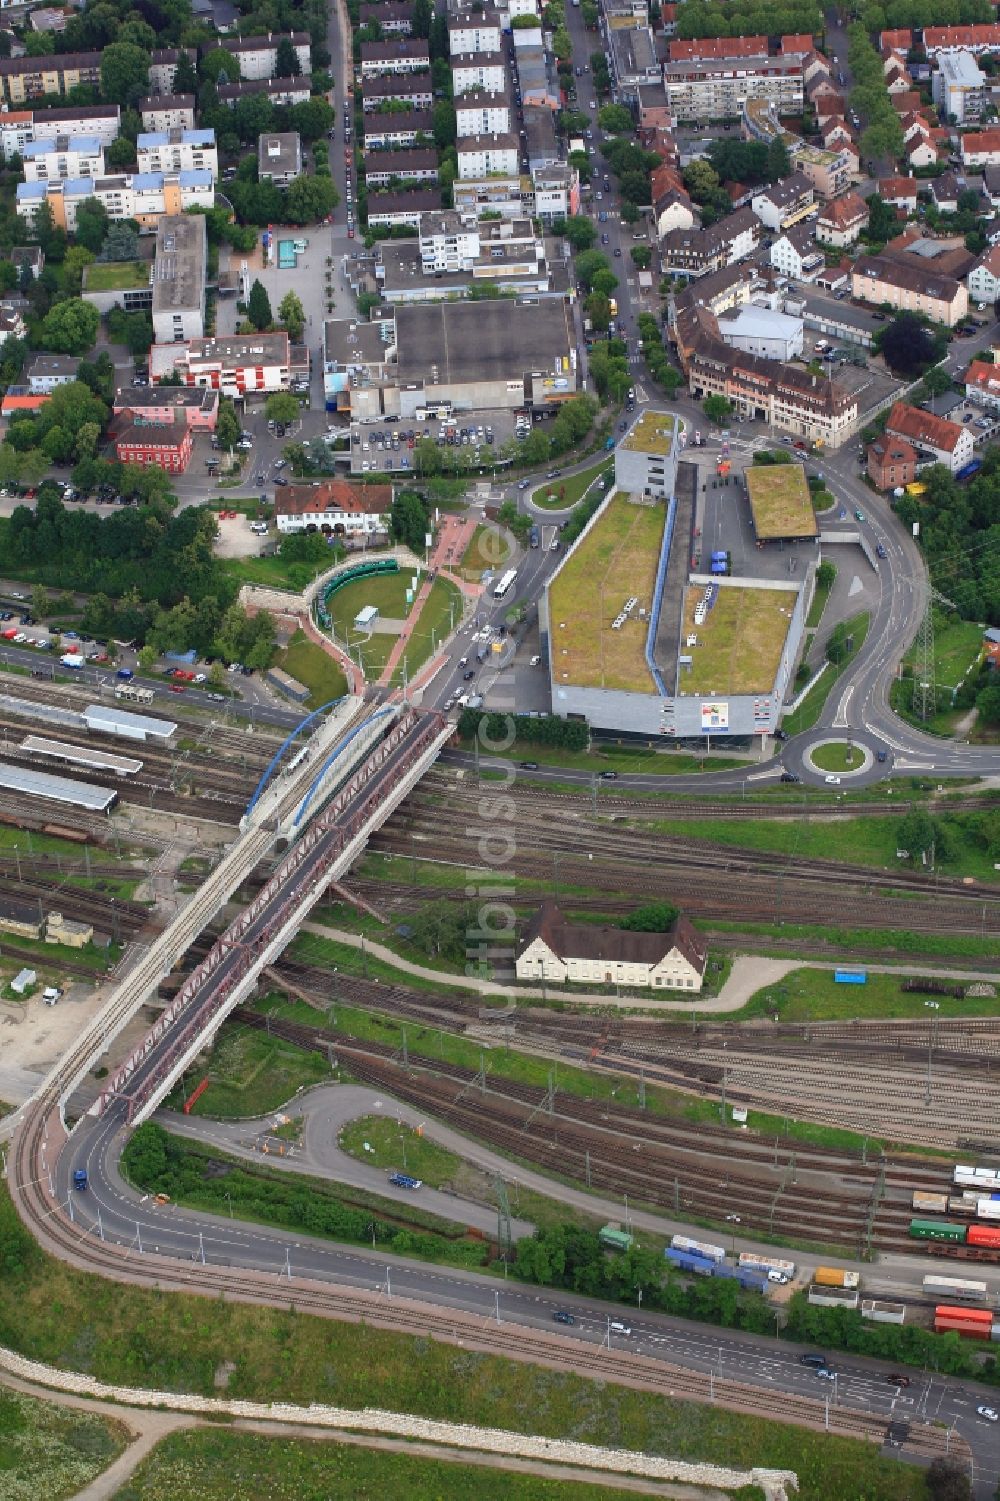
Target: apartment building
{"points": [[179, 277], [96, 122], [556, 192], [981, 148], [44, 372], [704, 90], [478, 31], [697, 252], [236, 366], [634, 61], [984, 278], [334, 506], [177, 150], [62, 156], [480, 156], [278, 90], [23, 78], [412, 89], [483, 72], [449, 241], [199, 409], [398, 55], [279, 157], [163, 67], [420, 164], [785, 203], [911, 288], [167, 445], [734, 49], [481, 113], [891, 463], [393, 17], [167, 112], [829, 171], [982, 384], [973, 39], [140, 196], [402, 209], [959, 87], [795, 254], [840, 223], [936, 440], [258, 55], [392, 131]]}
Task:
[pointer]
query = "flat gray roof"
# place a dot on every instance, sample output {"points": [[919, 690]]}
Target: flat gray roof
{"points": [[132, 726], [179, 263], [449, 342], [56, 789], [60, 750]]}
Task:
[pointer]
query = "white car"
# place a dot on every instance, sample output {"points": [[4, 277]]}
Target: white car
{"points": [[617, 1327], [831, 780], [201, 677], [989, 1413]]}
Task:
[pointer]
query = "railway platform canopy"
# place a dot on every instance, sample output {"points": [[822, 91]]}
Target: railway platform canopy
{"points": [[81, 755], [56, 789], [129, 726]]}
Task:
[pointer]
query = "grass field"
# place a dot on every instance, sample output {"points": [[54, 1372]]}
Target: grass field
{"points": [[273, 571], [388, 593], [780, 501], [489, 547], [251, 1074], [615, 561], [117, 276], [837, 756], [605, 755], [379, 1141], [49, 1452], [739, 641], [820, 597], [812, 705], [813, 995], [216, 1466], [442, 606], [560, 494], [311, 665]]}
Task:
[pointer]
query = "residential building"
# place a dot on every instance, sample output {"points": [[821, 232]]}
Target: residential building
{"points": [[718, 48], [829, 172], [975, 39], [476, 31], [419, 164], [393, 17], [333, 506], [795, 254], [936, 440], [536, 74], [167, 112], [177, 150], [393, 131], [480, 156], [841, 221], [901, 192], [23, 78], [163, 67], [44, 372], [555, 951], [140, 196], [982, 384], [991, 185], [774, 336], [397, 55], [279, 157], [161, 404], [959, 87], [31, 256], [480, 113], [557, 192], [909, 288], [240, 365], [179, 278], [449, 241], [981, 148], [785, 203], [672, 210], [632, 53], [97, 122], [413, 89], [945, 190], [402, 209], [984, 278], [892, 463], [62, 156], [167, 445], [695, 252], [490, 195], [538, 137], [258, 55], [702, 91], [484, 72], [278, 90]]}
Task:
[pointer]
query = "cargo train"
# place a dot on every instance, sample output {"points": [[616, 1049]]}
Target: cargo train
{"points": [[975, 1242], [986, 1178]]}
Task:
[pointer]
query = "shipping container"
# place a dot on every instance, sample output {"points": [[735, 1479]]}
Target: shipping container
{"points": [[988, 1209], [614, 1239], [699, 1247], [964, 1206], [955, 1289], [930, 1203], [767, 1263], [970, 1315], [833, 1297], [748, 1279], [835, 1276], [686, 1261], [937, 1230], [985, 1236], [883, 1313], [850, 977], [977, 1177], [966, 1330]]}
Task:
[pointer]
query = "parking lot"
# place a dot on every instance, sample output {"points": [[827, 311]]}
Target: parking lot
{"points": [[722, 516], [387, 444]]}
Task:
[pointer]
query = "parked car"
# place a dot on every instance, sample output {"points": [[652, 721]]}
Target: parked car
{"points": [[560, 1315]]}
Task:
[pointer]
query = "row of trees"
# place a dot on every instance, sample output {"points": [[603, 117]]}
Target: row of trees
{"points": [[547, 729], [960, 536], [882, 138], [698, 18], [901, 14]]}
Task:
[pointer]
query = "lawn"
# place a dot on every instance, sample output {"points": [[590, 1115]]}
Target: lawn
{"points": [[813, 995], [606, 755], [250, 1075], [958, 645], [489, 547], [381, 1142], [560, 494], [780, 502], [216, 1466], [837, 755], [812, 705], [117, 276], [820, 597], [614, 562], [442, 608], [48, 1451], [740, 641], [387, 592], [314, 668], [273, 572]]}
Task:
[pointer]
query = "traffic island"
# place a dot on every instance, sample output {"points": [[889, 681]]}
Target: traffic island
{"points": [[845, 757]]}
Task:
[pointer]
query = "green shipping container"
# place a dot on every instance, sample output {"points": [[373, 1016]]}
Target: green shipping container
{"points": [[937, 1230], [613, 1239]]}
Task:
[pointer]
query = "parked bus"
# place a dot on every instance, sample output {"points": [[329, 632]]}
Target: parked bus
{"points": [[506, 584]]}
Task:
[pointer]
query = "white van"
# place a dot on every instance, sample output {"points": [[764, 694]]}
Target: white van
{"points": [[50, 995]]}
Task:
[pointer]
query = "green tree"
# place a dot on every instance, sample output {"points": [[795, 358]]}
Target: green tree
{"points": [[185, 77], [444, 127], [882, 220], [655, 917], [40, 603], [124, 73], [988, 704], [580, 232], [78, 258], [121, 242], [259, 306], [948, 1481], [421, 17], [590, 263], [615, 119], [310, 199], [409, 520], [779, 163], [88, 436], [282, 408], [717, 409], [227, 425], [286, 63], [291, 314], [91, 224], [825, 575], [70, 327]]}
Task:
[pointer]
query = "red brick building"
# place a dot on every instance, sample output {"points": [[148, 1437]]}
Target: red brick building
{"points": [[892, 463], [166, 444]]}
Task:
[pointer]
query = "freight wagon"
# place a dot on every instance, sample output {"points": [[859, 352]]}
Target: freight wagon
{"points": [[833, 1297], [834, 1276], [883, 1313], [974, 1242], [766, 1263], [937, 1230], [614, 1239], [986, 1178], [972, 1323], [699, 1247], [954, 1289], [925, 1203]]}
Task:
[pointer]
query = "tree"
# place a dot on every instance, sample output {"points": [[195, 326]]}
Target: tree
{"points": [[78, 258], [588, 264], [147, 659], [91, 224], [70, 327], [310, 199], [655, 917], [185, 77], [120, 154], [717, 409], [291, 314], [907, 345], [882, 221], [259, 306], [778, 161], [988, 704], [40, 603], [948, 1481], [227, 425], [282, 408], [700, 179], [421, 17], [915, 832], [444, 127], [580, 232], [124, 73], [825, 575], [615, 119], [286, 59], [409, 520]]}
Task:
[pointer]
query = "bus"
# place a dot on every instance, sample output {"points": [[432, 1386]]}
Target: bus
{"points": [[506, 584], [955, 1289], [133, 693]]}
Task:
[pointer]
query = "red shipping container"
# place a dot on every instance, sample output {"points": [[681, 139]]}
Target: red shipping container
{"points": [[971, 1315], [984, 1235], [962, 1327]]}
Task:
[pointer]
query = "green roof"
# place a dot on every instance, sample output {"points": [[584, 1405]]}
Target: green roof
{"points": [[652, 433], [116, 276]]}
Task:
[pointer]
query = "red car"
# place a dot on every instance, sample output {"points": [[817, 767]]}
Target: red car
{"points": [[350, 233], [182, 676], [178, 687]]}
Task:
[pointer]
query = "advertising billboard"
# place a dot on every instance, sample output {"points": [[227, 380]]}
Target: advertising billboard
{"points": [[714, 716]]}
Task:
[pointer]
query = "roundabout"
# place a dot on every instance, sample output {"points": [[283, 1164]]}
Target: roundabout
{"points": [[843, 756]]}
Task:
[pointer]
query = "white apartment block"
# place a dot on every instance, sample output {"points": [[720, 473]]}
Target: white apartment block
{"points": [[97, 122], [448, 242], [474, 33], [482, 114], [481, 156], [177, 151], [144, 197], [718, 89], [959, 86], [63, 156], [167, 112], [478, 71], [258, 55]]}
